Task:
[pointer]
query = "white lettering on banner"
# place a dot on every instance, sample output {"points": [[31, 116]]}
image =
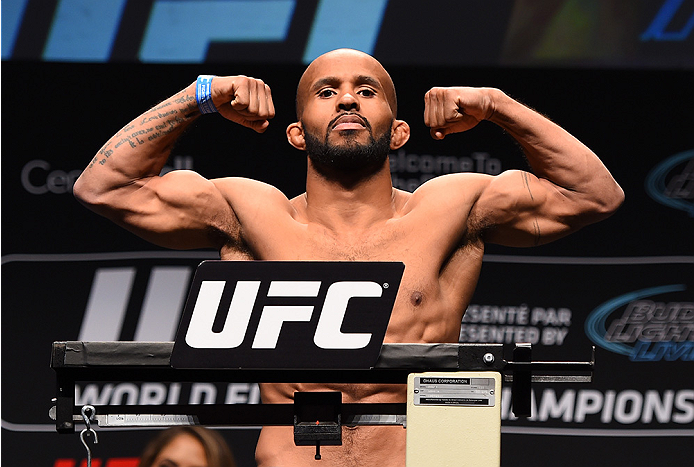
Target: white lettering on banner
{"points": [[551, 317], [626, 407], [554, 408], [271, 322], [660, 409], [55, 181], [499, 334], [415, 169], [155, 393], [497, 314], [92, 394], [203, 393], [554, 336], [588, 402], [152, 394], [481, 162], [510, 324], [125, 394], [200, 334], [328, 334], [174, 394], [38, 179], [242, 393], [608, 406]]}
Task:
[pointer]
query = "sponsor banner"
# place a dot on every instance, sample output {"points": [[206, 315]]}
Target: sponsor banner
{"points": [[141, 295], [642, 325], [511, 32]]}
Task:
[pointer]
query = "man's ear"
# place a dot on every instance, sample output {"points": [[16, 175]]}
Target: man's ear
{"points": [[400, 134], [295, 136]]}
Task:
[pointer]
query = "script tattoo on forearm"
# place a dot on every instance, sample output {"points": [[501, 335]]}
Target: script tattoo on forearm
{"points": [[156, 123]]}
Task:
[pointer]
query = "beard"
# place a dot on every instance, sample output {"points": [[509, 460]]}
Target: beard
{"points": [[350, 156]]}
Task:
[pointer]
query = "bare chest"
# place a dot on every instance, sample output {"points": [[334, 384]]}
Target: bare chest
{"points": [[438, 281]]}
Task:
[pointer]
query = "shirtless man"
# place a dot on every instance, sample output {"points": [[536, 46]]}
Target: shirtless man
{"points": [[346, 110]]}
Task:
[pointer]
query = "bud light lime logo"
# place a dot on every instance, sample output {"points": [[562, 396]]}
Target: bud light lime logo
{"points": [[647, 330], [672, 182]]}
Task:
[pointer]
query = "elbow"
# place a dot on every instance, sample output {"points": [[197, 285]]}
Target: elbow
{"points": [[612, 200], [87, 194], [595, 208], [605, 205], [81, 191]]}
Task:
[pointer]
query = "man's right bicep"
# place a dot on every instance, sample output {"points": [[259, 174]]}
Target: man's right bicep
{"points": [[180, 210]]}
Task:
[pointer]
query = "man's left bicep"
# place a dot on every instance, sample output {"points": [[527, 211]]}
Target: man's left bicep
{"points": [[523, 210]]}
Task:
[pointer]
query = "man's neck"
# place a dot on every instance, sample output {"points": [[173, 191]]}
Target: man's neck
{"points": [[349, 200]]}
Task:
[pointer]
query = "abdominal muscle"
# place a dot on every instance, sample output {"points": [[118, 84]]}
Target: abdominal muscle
{"points": [[363, 446]]}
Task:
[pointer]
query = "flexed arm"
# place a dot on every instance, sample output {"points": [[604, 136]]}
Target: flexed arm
{"points": [[570, 187], [180, 209]]}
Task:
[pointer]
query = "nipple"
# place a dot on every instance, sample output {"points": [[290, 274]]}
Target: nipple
{"points": [[416, 298]]}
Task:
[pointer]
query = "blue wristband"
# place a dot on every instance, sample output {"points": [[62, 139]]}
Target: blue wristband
{"points": [[203, 94]]}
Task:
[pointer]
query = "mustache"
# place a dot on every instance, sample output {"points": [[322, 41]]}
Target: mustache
{"points": [[364, 119]]}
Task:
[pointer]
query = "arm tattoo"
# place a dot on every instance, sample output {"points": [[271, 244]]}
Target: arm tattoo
{"points": [[526, 182], [149, 128], [536, 225], [536, 228]]}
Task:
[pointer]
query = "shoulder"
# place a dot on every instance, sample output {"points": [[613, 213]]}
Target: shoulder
{"points": [[450, 190], [188, 187], [235, 186], [445, 204], [250, 197], [471, 201]]}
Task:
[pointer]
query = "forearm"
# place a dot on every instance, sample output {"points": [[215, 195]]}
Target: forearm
{"points": [[140, 149], [554, 154]]}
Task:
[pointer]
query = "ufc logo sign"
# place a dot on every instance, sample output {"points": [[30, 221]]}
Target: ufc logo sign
{"points": [[279, 314], [327, 334]]}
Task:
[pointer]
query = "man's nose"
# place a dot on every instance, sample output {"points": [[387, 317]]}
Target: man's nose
{"points": [[347, 101]]}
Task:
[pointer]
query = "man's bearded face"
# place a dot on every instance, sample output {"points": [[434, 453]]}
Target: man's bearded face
{"points": [[349, 155]]}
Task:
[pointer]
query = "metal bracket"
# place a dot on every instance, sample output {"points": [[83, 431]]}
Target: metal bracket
{"points": [[317, 419]]}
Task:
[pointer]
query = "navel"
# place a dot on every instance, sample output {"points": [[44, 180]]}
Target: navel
{"points": [[416, 298]]}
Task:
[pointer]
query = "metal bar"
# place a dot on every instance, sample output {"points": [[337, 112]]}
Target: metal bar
{"points": [[143, 420], [97, 374], [554, 378], [550, 366], [237, 414]]}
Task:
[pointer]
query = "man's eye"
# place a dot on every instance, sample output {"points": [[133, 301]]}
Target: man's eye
{"points": [[367, 93], [326, 93]]}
